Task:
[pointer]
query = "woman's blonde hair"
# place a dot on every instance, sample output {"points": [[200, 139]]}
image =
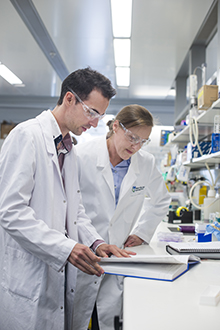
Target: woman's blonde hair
{"points": [[130, 116]]}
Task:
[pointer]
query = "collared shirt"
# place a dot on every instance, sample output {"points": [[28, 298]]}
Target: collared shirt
{"points": [[57, 140], [63, 145], [119, 172], [63, 148]]}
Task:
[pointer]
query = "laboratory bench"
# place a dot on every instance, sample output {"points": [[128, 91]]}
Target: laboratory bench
{"points": [[155, 304]]}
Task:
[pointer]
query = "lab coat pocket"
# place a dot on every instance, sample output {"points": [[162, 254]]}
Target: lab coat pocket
{"points": [[22, 274]]}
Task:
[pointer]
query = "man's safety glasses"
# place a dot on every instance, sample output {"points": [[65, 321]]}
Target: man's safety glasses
{"points": [[133, 138], [89, 112]]}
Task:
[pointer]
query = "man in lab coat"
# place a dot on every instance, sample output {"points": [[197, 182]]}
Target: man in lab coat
{"points": [[41, 214]]}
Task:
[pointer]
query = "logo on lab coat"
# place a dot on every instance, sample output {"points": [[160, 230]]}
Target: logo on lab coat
{"points": [[136, 189]]}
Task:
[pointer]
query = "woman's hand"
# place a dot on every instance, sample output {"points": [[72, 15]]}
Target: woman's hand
{"points": [[133, 240], [106, 250]]}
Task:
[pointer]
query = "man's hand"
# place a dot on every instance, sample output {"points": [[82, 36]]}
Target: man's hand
{"points": [[83, 258], [133, 240], [105, 250]]}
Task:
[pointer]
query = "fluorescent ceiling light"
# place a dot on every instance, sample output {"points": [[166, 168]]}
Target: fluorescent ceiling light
{"points": [[9, 75], [122, 50], [122, 76], [121, 18]]}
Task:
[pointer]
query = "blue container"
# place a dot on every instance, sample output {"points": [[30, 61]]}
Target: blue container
{"points": [[215, 142], [201, 237]]}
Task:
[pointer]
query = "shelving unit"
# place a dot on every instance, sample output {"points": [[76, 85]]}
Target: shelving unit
{"points": [[205, 125], [199, 162]]}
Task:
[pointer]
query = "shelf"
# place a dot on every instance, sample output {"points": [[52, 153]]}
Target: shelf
{"points": [[205, 124], [211, 160], [207, 117], [182, 138]]}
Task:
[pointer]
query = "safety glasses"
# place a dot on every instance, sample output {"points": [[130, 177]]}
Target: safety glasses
{"points": [[89, 112], [133, 138]]}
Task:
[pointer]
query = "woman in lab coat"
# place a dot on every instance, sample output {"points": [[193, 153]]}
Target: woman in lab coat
{"points": [[125, 197]]}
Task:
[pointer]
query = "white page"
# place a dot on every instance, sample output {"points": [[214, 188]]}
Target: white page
{"points": [[145, 258], [195, 245]]}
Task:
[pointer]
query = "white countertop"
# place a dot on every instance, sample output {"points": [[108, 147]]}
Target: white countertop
{"points": [[155, 305]]}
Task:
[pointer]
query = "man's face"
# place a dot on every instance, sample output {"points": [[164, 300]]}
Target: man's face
{"points": [[78, 120]]}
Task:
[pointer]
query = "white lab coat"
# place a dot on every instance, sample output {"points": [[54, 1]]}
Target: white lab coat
{"points": [[134, 214], [33, 248]]}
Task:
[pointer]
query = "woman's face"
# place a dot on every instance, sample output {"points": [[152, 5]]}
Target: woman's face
{"points": [[125, 148]]}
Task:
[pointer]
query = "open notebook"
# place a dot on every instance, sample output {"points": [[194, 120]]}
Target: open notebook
{"points": [[157, 267]]}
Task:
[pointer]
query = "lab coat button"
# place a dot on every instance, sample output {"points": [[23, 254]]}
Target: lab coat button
{"points": [[78, 191], [74, 222], [72, 290], [64, 201], [61, 307]]}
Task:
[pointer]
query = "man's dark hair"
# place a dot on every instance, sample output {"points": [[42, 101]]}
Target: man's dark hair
{"points": [[84, 81]]}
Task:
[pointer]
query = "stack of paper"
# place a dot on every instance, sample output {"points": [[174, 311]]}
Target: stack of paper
{"points": [[207, 250]]}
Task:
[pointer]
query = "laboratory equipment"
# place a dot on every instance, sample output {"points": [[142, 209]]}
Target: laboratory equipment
{"points": [[216, 134], [211, 204]]}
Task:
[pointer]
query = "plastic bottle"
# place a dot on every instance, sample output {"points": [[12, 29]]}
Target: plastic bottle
{"points": [[216, 134], [214, 207], [202, 194]]}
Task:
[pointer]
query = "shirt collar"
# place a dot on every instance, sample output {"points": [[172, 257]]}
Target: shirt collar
{"points": [[123, 163], [57, 136], [58, 139], [55, 128], [67, 142]]}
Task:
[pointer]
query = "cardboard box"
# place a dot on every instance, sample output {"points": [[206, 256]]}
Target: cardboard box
{"points": [[6, 128], [207, 94]]}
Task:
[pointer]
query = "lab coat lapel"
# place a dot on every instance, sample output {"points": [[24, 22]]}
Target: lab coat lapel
{"points": [[104, 164], [44, 120], [127, 183], [107, 174], [130, 177]]}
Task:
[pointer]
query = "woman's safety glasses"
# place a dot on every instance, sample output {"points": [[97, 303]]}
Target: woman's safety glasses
{"points": [[133, 138]]}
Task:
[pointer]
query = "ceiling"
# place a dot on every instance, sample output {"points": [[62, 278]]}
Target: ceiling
{"points": [[42, 41]]}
